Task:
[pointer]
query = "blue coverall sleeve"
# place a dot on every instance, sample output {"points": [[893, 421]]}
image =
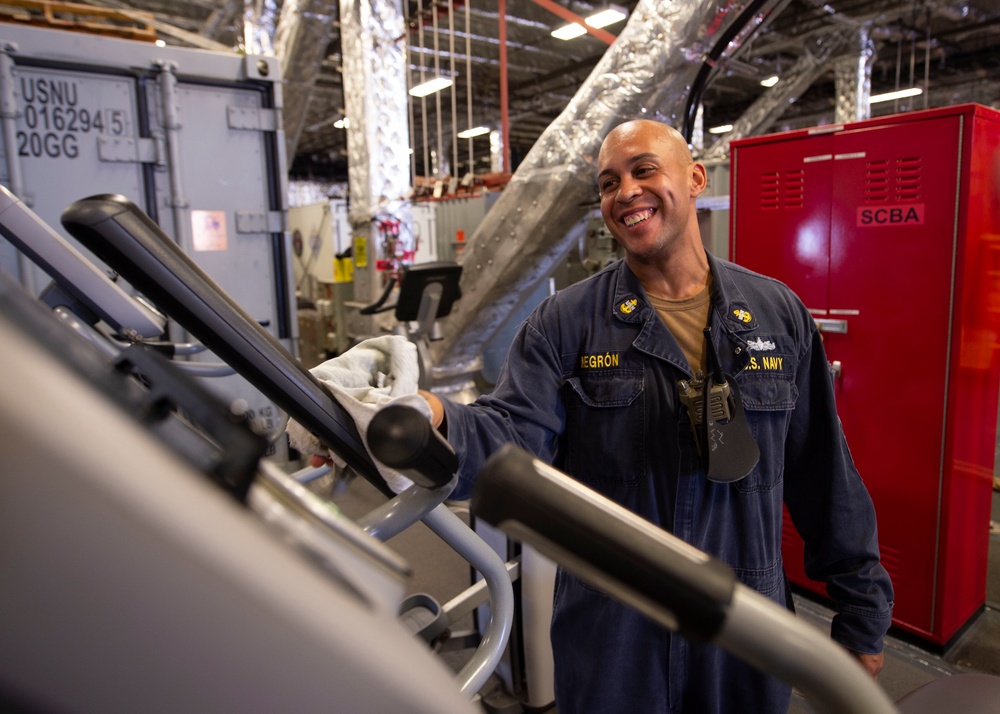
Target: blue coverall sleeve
{"points": [[833, 512], [525, 408]]}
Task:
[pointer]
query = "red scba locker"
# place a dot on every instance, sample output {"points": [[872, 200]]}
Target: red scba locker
{"points": [[889, 231]]}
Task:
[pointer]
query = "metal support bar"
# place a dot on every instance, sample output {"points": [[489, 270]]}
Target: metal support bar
{"points": [[472, 597], [399, 513], [480, 556], [172, 126], [8, 118]]}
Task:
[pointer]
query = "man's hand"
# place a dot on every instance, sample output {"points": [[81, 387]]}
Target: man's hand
{"points": [[318, 460], [437, 417], [437, 409], [871, 662]]}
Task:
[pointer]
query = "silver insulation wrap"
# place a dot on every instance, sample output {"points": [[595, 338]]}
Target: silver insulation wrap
{"points": [[300, 42], [374, 53], [853, 80]]}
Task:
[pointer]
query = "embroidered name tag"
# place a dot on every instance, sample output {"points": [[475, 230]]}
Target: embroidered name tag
{"points": [[598, 361]]}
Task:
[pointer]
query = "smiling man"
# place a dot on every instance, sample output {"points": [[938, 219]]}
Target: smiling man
{"points": [[601, 380]]}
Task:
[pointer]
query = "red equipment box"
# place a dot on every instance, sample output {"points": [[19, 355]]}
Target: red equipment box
{"points": [[889, 231]]}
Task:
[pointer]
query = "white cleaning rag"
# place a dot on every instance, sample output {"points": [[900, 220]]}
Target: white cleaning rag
{"points": [[372, 374]]}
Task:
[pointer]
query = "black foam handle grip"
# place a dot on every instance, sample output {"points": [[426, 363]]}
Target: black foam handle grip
{"points": [[125, 238], [402, 438], [604, 543]]}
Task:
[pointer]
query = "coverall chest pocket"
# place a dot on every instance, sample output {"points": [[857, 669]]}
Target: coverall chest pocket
{"points": [[604, 435], [768, 401]]}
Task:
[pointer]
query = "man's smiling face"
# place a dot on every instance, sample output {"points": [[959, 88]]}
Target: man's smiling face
{"points": [[646, 180]]}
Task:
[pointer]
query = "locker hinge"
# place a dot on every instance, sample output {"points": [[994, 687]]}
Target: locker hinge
{"points": [[127, 150], [252, 118], [260, 221]]}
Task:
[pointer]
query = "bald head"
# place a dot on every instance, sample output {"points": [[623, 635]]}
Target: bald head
{"points": [[662, 137]]}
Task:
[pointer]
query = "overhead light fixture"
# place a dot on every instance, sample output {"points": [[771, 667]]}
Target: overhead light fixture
{"points": [[342, 123], [475, 131], [770, 81], [568, 32], [899, 94], [431, 86], [602, 18], [721, 129], [606, 17]]}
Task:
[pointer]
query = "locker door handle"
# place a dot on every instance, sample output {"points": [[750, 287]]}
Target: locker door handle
{"points": [[836, 368], [828, 325]]}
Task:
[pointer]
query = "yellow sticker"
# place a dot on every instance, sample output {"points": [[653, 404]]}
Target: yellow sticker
{"points": [[361, 251]]}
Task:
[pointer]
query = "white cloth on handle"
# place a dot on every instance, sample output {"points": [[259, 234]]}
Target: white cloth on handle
{"points": [[374, 373]]}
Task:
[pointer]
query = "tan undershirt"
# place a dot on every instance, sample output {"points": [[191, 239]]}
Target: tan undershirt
{"points": [[686, 319]]}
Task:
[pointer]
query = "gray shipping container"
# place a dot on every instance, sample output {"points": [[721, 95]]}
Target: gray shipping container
{"points": [[193, 137]]}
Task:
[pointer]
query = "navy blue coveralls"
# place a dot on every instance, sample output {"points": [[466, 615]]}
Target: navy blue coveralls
{"points": [[590, 385]]}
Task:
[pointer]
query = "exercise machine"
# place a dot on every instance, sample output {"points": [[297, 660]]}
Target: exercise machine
{"points": [[125, 238], [427, 292]]}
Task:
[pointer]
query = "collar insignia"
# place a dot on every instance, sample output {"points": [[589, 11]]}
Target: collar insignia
{"points": [[742, 315]]}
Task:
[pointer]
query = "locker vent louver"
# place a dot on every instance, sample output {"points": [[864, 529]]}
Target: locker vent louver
{"points": [[777, 191], [908, 179], [770, 191], [897, 181], [876, 181], [795, 188]]}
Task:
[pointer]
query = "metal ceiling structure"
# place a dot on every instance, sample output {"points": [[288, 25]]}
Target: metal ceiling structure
{"points": [[949, 47]]}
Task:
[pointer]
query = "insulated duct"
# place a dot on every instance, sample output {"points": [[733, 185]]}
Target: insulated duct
{"points": [[853, 80], [647, 72], [258, 27], [374, 54], [300, 42]]}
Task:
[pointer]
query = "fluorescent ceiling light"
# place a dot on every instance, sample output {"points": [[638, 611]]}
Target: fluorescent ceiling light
{"points": [[568, 32], [770, 81], [602, 18], [721, 129], [606, 17], [431, 86], [900, 94], [475, 131]]}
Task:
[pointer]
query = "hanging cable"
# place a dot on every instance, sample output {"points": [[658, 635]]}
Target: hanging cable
{"points": [[927, 58], [468, 76], [899, 65], [423, 78], [409, 97], [913, 47], [454, 112], [437, 95]]}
